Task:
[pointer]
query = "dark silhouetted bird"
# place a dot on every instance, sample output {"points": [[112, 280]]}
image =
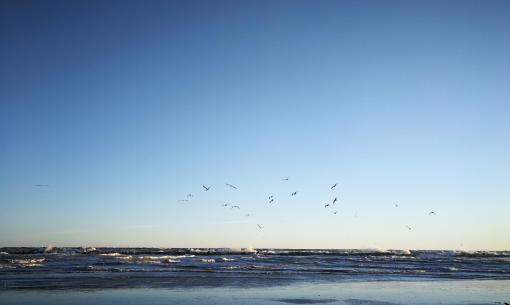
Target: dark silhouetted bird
{"points": [[206, 188], [232, 186], [294, 194], [334, 200], [334, 185], [260, 226]]}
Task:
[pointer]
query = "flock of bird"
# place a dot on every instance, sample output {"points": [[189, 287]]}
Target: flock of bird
{"points": [[271, 199]]}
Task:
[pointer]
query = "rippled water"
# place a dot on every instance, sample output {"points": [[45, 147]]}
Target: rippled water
{"points": [[158, 267]]}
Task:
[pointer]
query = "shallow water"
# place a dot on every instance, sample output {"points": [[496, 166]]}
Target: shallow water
{"points": [[451, 292]]}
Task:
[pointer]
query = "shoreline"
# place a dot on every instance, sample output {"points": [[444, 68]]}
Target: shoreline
{"points": [[134, 280], [456, 292]]}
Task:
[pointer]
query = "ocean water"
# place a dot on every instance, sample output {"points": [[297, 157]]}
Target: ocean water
{"points": [[64, 268], [264, 276]]}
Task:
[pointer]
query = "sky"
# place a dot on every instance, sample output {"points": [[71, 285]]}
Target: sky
{"points": [[113, 111]]}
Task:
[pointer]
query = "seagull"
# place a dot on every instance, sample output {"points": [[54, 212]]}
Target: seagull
{"points": [[225, 205], [294, 194], [271, 197], [432, 213], [326, 205], [206, 188], [335, 212], [285, 179], [396, 205], [270, 201], [183, 200], [232, 186], [235, 207], [260, 226], [334, 185], [409, 228], [334, 200], [190, 195]]}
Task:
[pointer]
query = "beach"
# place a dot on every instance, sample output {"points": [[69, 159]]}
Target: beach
{"points": [[454, 292], [247, 276]]}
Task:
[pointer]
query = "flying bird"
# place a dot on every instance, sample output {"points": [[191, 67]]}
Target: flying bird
{"points": [[225, 205], [270, 201], [271, 197], [260, 226], [235, 207], [294, 194], [432, 213], [285, 179], [409, 228], [334, 185], [190, 195], [335, 212], [334, 200], [206, 188], [326, 205], [232, 186], [396, 205]]}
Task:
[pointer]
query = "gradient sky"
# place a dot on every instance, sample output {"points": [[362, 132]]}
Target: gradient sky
{"points": [[124, 107]]}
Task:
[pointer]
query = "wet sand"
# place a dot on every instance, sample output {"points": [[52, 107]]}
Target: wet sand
{"points": [[451, 292]]}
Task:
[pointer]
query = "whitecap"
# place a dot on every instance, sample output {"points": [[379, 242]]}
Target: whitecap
{"points": [[31, 262], [112, 254], [224, 259]]}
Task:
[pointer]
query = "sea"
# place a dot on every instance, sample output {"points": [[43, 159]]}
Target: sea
{"points": [[88, 275]]}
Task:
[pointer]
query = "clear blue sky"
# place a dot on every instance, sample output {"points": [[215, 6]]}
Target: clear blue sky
{"points": [[124, 107]]}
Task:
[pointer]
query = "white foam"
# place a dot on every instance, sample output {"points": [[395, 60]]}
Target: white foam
{"points": [[228, 259], [88, 249], [33, 262], [112, 254], [49, 249]]}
